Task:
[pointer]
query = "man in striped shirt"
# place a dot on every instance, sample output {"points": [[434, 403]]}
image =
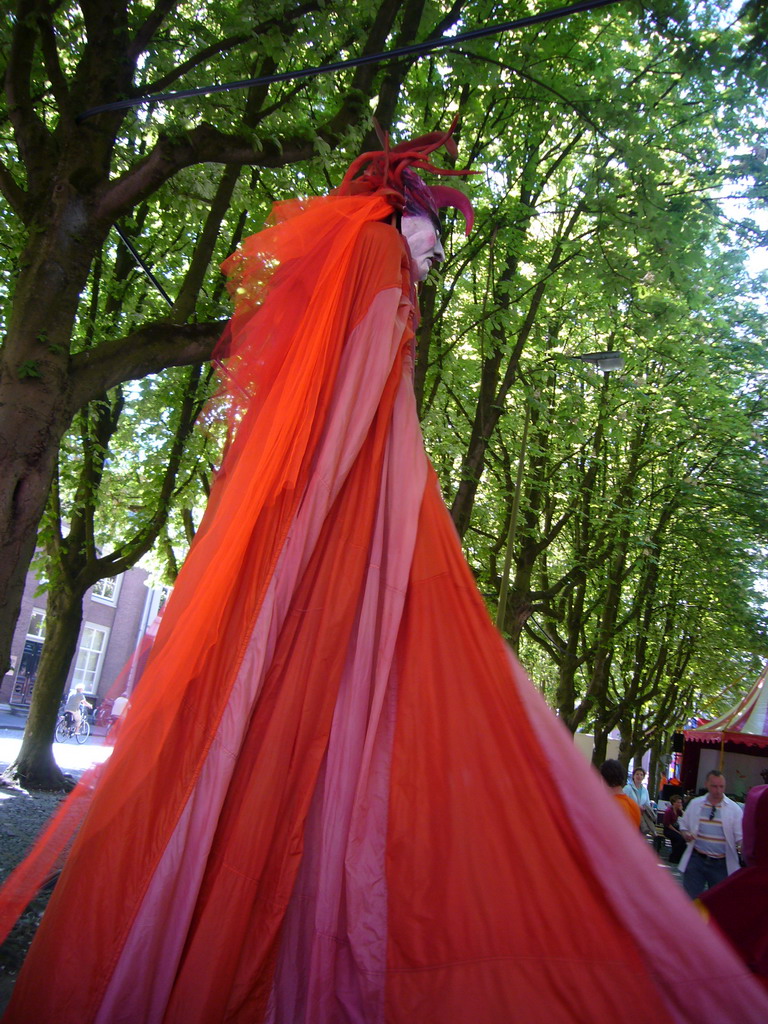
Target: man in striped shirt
{"points": [[711, 825]]}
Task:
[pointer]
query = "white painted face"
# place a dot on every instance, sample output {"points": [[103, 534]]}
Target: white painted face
{"points": [[424, 245]]}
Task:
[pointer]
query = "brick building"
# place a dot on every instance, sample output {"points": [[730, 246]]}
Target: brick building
{"points": [[116, 614]]}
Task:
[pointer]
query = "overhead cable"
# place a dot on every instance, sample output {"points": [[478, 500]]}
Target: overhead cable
{"points": [[442, 42]]}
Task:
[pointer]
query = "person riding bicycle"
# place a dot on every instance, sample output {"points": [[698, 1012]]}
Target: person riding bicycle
{"points": [[117, 710], [75, 704]]}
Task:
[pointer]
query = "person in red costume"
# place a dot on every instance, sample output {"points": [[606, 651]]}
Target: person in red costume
{"points": [[315, 812], [739, 905]]}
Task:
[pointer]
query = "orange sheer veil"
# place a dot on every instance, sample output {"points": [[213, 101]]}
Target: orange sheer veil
{"points": [[291, 283]]}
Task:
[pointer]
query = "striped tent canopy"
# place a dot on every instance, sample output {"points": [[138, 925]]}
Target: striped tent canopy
{"points": [[745, 723]]}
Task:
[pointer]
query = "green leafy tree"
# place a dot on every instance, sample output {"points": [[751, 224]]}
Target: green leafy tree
{"points": [[607, 231]]}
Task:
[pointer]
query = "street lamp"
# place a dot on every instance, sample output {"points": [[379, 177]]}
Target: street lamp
{"points": [[604, 361]]}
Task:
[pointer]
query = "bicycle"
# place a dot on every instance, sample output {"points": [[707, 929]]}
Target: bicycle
{"points": [[103, 713], [67, 727]]}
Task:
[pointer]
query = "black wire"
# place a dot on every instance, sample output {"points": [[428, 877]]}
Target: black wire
{"points": [[532, 619], [425, 47], [134, 252], [374, 58]]}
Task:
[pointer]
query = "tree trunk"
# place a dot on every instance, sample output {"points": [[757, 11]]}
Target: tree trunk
{"points": [[35, 766], [35, 386], [626, 744], [31, 428], [653, 771], [66, 207], [568, 660], [600, 749]]}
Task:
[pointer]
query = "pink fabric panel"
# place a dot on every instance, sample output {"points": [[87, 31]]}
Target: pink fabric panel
{"points": [[653, 907], [171, 897], [333, 949], [172, 894], [365, 863]]}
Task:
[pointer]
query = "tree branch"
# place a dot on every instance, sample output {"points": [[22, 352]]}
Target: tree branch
{"points": [[32, 137], [389, 87], [224, 45], [98, 425], [221, 46], [379, 33], [98, 15], [204, 144], [149, 350], [129, 552], [147, 29], [13, 192], [51, 59], [574, 106]]}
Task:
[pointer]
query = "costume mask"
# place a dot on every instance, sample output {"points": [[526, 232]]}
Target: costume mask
{"points": [[424, 243]]}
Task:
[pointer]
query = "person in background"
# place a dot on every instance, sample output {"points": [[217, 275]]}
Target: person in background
{"points": [[636, 791], [75, 703], [711, 825], [672, 829], [739, 905], [614, 773], [121, 703]]}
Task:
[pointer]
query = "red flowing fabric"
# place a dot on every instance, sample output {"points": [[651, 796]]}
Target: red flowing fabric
{"points": [[336, 796]]}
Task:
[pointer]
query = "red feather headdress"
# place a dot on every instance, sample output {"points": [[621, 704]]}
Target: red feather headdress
{"points": [[391, 171]]}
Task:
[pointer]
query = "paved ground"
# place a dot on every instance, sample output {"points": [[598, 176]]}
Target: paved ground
{"points": [[16, 718], [22, 816], [12, 719], [70, 756]]}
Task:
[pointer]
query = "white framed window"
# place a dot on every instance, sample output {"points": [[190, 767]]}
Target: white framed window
{"points": [[90, 657], [36, 629], [106, 591]]}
